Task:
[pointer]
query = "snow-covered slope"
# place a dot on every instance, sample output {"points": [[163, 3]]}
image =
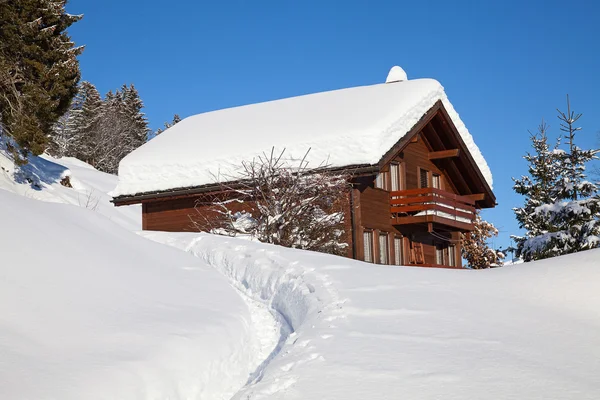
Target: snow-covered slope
{"points": [[91, 310], [40, 180], [364, 331], [341, 128]]}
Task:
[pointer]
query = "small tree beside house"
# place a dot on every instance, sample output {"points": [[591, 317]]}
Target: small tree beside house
{"points": [[475, 249], [285, 203]]}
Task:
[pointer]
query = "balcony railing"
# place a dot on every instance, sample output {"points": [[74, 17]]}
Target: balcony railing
{"points": [[432, 205]]}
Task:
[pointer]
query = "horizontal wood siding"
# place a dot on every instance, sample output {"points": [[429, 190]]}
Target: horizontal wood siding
{"points": [[179, 215]]}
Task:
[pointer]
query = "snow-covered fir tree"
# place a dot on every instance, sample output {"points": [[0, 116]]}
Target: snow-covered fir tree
{"points": [[176, 120], [475, 249], [571, 213], [102, 132], [538, 187], [86, 118]]}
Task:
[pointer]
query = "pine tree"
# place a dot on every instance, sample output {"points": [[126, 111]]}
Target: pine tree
{"points": [[86, 118], [133, 106], [176, 120], [538, 188], [475, 248], [573, 217], [39, 70]]}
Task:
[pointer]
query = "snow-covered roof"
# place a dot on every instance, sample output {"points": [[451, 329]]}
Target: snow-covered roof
{"points": [[344, 127]]}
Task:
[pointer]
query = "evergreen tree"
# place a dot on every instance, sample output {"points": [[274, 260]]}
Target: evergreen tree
{"points": [[86, 117], [102, 132], [538, 188], [176, 120], [39, 70], [571, 214], [133, 106], [475, 248]]}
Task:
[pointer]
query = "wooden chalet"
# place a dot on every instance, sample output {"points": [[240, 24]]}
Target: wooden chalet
{"points": [[407, 208]]}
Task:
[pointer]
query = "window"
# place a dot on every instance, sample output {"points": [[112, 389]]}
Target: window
{"points": [[436, 181], [439, 254], [452, 255], [397, 250], [368, 245], [423, 178], [381, 180], [383, 248], [395, 177]]}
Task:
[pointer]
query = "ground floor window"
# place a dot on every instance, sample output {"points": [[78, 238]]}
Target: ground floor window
{"points": [[397, 250], [439, 254], [368, 245], [383, 248], [452, 255]]}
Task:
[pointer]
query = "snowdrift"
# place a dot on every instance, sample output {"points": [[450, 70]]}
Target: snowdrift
{"points": [[91, 311], [363, 331]]}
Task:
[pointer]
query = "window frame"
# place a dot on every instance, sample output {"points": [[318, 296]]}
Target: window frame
{"points": [[368, 236], [382, 180], [398, 166], [440, 253], [381, 254], [439, 180], [399, 250], [452, 255], [420, 176]]}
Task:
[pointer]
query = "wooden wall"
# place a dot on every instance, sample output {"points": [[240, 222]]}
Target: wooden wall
{"points": [[182, 215], [191, 214]]}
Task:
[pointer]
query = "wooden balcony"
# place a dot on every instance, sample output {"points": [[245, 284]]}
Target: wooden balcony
{"points": [[432, 206]]}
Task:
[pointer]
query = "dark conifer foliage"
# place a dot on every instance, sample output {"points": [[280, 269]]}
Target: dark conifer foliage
{"points": [[39, 70]]}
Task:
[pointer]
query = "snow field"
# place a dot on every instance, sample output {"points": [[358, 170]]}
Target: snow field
{"points": [[366, 331], [90, 310]]}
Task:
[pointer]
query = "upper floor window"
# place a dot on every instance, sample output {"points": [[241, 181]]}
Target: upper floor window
{"points": [[396, 176], [436, 181], [381, 180], [423, 178]]}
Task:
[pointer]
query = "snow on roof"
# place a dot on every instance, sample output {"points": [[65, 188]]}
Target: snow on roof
{"points": [[344, 127]]}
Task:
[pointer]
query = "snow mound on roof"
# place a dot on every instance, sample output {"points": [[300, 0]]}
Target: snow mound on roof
{"points": [[396, 74], [342, 127]]}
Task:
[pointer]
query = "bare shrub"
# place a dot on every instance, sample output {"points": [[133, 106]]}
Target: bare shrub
{"points": [[279, 202]]}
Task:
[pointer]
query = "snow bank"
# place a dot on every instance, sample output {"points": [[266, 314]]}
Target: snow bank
{"points": [[40, 180], [341, 127], [364, 331], [91, 311]]}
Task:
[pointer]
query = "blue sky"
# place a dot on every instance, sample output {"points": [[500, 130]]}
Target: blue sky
{"points": [[505, 65]]}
